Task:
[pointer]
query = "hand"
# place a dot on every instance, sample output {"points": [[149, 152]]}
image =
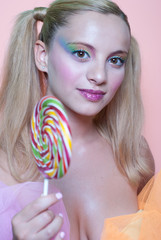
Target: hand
{"points": [[37, 222]]}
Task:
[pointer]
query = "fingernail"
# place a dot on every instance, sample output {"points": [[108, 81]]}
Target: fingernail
{"points": [[61, 215], [58, 195], [62, 234]]}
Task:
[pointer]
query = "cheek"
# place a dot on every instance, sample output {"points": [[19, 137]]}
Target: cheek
{"points": [[64, 72], [116, 85], [63, 69], [116, 82]]}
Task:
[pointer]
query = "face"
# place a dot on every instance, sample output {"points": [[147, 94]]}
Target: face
{"points": [[86, 62]]}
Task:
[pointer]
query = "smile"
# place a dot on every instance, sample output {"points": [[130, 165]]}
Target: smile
{"points": [[92, 95]]}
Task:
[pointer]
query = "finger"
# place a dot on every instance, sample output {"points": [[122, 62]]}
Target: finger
{"points": [[51, 229], [41, 221], [39, 205]]}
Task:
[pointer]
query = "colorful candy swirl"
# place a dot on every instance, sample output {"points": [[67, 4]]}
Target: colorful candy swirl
{"points": [[51, 138]]}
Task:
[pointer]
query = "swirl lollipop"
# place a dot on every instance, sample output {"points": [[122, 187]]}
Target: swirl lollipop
{"points": [[51, 139]]}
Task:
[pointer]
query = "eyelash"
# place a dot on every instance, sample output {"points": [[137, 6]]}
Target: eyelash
{"points": [[76, 52], [121, 61]]}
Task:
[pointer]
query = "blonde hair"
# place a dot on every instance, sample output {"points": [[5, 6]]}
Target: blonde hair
{"points": [[120, 122]]}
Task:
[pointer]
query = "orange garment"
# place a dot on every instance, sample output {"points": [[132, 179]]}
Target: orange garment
{"points": [[143, 225]]}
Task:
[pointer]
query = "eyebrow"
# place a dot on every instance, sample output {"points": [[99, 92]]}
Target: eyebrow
{"points": [[81, 43], [118, 52], [66, 44], [63, 42]]}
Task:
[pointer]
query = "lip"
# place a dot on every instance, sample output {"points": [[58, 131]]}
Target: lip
{"points": [[92, 95]]}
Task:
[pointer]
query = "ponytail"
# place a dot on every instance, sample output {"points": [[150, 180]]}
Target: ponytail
{"points": [[19, 93]]}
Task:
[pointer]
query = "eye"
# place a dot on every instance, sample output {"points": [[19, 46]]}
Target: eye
{"points": [[81, 54], [116, 61]]}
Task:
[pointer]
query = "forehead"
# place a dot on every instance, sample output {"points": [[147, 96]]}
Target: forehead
{"points": [[96, 28]]}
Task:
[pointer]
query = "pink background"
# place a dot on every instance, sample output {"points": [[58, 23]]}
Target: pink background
{"points": [[145, 21]]}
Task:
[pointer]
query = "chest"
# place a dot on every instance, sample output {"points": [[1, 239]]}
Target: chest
{"points": [[94, 190]]}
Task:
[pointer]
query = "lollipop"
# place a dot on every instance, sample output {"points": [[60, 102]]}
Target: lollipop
{"points": [[51, 139]]}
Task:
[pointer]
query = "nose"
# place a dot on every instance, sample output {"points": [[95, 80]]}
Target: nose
{"points": [[97, 73]]}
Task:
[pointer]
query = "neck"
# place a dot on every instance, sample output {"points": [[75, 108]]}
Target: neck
{"points": [[82, 127]]}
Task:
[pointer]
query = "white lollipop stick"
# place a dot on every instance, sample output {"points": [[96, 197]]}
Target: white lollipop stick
{"points": [[46, 186]]}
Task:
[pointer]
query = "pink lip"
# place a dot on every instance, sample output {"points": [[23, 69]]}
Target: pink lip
{"points": [[92, 95]]}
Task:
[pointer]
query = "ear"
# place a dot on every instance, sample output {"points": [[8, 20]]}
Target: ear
{"points": [[41, 56]]}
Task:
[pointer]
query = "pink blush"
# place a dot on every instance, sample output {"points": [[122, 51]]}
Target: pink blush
{"points": [[66, 73], [116, 85]]}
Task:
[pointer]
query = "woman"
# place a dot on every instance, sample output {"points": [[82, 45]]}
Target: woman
{"points": [[85, 56]]}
